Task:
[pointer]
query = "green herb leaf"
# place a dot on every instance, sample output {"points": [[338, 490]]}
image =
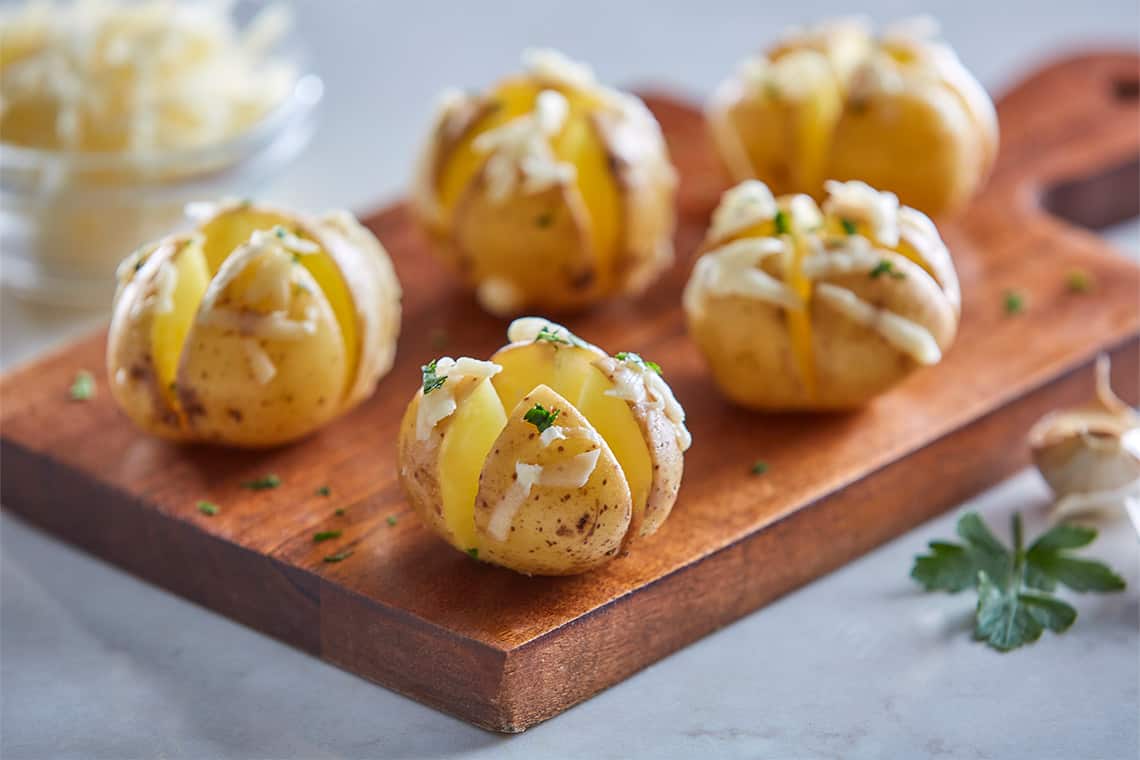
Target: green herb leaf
{"points": [[541, 417], [759, 467], [1014, 604], [1013, 302], [339, 512], [339, 556], [629, 356], [279, 231], [1078, 281], [391, 520], [473, 553], [558, 337], [781, 221], [263, 483], [432, 381], [323, 491], [849, 226], [325, 535], [208, 508], [887, 268], [83, 387]]}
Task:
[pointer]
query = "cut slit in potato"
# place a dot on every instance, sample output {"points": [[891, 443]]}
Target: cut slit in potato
{"points": [[229, 230], [475, 425], [171, 325], [799, 320], [577, 143]]}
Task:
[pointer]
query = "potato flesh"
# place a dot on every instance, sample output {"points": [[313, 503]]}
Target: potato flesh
{"points": [[799, 320], [577, 143], [233, 228], [170, 328], [474, 426], [569, 371]]}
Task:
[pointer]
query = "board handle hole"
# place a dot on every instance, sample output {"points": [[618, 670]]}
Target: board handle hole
{"points": [[1099, 201], [1126, 89]]}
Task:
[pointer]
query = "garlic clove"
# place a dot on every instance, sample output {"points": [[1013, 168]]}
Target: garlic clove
{"points": [[1090, 455]]}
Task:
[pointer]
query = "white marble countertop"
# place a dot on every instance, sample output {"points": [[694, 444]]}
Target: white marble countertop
{"points": [[96, 664]]}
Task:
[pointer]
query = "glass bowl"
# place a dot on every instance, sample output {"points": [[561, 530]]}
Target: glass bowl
{"points": [[68, 218]]}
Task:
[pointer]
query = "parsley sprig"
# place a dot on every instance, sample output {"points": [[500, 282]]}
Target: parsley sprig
{"points": [[1015, 588], [629, 356], [264, 483], [886, 267], [83, 388], [541, 417]]}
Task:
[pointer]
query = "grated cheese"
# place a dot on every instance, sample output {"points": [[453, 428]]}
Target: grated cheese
{"points": [[909, 337], [440, 403], [521, 147], [140, 77], [747, 204], [859, 201]]}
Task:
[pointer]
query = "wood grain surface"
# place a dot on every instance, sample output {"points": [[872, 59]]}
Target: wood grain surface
{"points": [[504, 651]]}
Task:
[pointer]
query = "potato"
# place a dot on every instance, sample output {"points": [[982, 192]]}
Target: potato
{"points": [[254, 329], [549, 192], [547, 459], [900, 113], [798, 309]]}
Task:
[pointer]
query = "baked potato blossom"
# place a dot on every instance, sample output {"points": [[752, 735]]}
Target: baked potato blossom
{"points": [[548, 458], [254, 328], [899, 112], [549, 192], [798, 308]]}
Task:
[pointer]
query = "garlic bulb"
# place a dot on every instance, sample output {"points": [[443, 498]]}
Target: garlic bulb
{"points": [[1090, 455]]}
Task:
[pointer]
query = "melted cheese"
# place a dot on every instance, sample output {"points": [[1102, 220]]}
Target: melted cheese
{"points": [[573, 472], [521, 148], [859, 202], [908, 337], [734, 269], [637, 384]]}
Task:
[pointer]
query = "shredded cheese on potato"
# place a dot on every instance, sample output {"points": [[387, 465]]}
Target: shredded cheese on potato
{"points": [[860, 202], [734, 270], [521, 147], [637, 384], [747, 204], [573, 472], [260, 365], [440, 403]]}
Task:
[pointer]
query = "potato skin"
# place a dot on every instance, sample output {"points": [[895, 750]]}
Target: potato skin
{"points": [[217, 398], [556, 530]]}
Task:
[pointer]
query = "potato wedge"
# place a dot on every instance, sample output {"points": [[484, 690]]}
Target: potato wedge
{"points": [[803, 310], [900, 112], [551, 191], [568, 402], [254, 329]]}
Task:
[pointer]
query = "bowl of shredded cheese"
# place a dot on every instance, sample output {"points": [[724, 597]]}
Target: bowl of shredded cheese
{"points": [[115, 114]]}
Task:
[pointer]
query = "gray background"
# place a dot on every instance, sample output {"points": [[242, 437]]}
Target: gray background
{"points": [[94, 663]]}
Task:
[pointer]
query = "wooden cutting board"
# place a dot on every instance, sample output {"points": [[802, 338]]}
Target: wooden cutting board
{"points": [[504, 651]]}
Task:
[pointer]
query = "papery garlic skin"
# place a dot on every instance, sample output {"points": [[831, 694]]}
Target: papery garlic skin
{"points": [[1090, 455]]}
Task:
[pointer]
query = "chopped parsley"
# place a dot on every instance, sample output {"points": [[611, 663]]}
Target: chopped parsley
{"points": [[432, 381], [325, 535], [280, 232], [341, 555], [887, 268], [541, 417], [629, 356], [782, 225], [339, 512], [391, 520], [849, 226], [1078, 281], [558, 336], [83, 387], [473, 553], [323, 491], [1013, 302], [264, 483], [759, 467], [208, 508], [545, 219]]}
